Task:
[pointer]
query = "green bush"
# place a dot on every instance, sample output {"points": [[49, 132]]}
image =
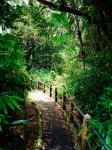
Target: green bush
{"points": [[14, 78]]}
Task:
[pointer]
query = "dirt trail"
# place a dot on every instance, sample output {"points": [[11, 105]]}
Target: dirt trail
{"points": [[56, 133]]}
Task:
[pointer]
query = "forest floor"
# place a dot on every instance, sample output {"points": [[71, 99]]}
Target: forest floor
{"points": [[56, 131], [21, 136]]}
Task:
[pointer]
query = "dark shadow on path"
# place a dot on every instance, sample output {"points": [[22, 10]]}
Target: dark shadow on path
{"points": [[56, 133]]}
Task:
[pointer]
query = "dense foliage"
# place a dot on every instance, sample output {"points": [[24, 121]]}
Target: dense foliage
{"points": [[85, 58], [14, 78], [67, 45]]}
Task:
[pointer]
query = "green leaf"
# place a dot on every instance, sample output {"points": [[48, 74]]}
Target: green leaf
{"points": [[61, 39], [106, 102], [60, 18], [14, 103], [21, 122], [3, 106], [93, 123], [9, 103]]}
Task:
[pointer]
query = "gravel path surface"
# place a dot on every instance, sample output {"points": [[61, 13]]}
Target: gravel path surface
{"points": [[56, 133]]}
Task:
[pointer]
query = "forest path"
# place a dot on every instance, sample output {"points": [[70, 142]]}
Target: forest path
{"points": [[56, 132]]}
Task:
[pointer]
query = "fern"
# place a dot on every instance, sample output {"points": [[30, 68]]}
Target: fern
{"points": [[9, 101]]}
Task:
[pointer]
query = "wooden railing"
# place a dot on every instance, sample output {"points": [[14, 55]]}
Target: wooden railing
{"points": [[74, 115]]}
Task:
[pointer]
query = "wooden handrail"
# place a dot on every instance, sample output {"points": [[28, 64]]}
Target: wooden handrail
{"points": [[71, 114]]}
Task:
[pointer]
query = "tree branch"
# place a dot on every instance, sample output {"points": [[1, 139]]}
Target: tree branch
{"points": [[64, 8]]}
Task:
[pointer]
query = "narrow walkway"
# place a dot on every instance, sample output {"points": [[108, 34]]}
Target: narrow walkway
{"points": [[56, 133]]}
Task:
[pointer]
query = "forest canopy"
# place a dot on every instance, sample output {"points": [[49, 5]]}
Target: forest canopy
{"points": [[67, 43]]}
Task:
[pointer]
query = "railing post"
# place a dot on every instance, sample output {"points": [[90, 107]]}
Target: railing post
{"points": [[43, 87], [38, 85], [85, 131], [56, 94], [71, 112], [50, 90], [64, 101]]}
